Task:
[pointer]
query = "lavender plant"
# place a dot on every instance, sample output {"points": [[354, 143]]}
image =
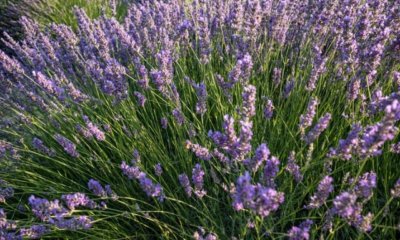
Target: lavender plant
{"points": [[244, 119]]}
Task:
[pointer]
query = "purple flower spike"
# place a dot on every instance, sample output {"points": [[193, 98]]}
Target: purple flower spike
{"points": [[325, 187], [185, 183], [68, 146], [302, 232]]}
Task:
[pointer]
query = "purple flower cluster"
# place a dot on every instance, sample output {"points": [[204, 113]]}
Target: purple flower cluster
{"points": [[200, 152], [201, 92], [198, 181], [150, 188], [347, 146], [69, 147], [268, 109], [91, 130], [97, 189], [325, 187], [249, 102], [261, 155], [140, 98], [301, 232], [365, 185], [261, 200], [314, 133], [293, 168], [54, 213], [347, 207], [185, 183], [158, 170], [307, 118], [40, 146]]}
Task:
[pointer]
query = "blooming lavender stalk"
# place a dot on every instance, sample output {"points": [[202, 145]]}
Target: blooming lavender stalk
{"points": [[288, 88], [347, 146], [78, 199], [249, 101], [34, 232], [185, 183], [198, 181], [347, 207], [140, 98], [96, 188], [201, 92], [376, 135], [94, 130], [307, 119], [302, 232], [158, 169], [244, 193], [314, 133], [39, 145], [365, 185], [271, 169], [151, 189], [179, 117], [293, 168], [200, 152], [276, 75], [261, 155], [268, 109], [68, 146], [325, 187]]}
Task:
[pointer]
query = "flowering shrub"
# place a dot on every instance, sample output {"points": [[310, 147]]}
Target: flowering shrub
{"points": [[215, 119]]}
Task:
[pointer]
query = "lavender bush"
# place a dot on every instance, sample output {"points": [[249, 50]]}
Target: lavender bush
{"points": [[229, 119]]}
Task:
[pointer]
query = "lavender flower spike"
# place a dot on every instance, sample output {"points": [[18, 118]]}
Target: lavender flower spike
{"points": [[198, 181], [68, 146], [325, 187], [185, 183], [318, 129], [307, 118], [302, 232]]}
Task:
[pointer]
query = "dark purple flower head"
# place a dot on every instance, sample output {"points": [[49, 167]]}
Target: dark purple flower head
{"points": [[293, 168], [140, 98], [325, 187], [185, 183], [365, 185], [261, 155], [68, 146], [96, 188], [271, 169], [249, 102], [301, 232], [198, 180], [200, 152], [314, 133], [307, 119], [158, 169], [179, 117], [78, 199]]}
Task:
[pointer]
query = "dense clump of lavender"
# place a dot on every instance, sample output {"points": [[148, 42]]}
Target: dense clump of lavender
{"points": [[261, 200], [242, 49]]}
